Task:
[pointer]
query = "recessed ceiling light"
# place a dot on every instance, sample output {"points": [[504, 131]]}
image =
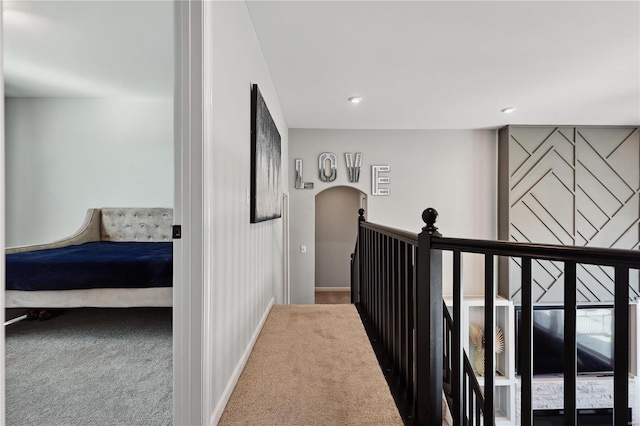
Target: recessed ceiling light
{"points": [[508, 110], [355, 99]]}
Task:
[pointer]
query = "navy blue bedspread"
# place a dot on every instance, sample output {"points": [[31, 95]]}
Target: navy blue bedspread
{"points": [[100, 264]]}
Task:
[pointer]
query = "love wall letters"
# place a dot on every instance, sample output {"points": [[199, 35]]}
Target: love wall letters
{"points": [[328, 172]]}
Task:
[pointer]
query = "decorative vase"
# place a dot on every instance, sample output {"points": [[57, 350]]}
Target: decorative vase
{"points": [[478, 359]]}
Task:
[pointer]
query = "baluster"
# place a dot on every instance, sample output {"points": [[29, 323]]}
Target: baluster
{"points": [[457, 349], [360, 266], [395, 291], [386, 312], [621, 345], [410, 321], [490, 338], [402, 314], [526, 344], [379, 284], [393, 299], [369, 239], [570, 344], [466, 401]]}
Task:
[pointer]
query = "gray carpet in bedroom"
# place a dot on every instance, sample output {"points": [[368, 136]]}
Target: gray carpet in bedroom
{"points": [[91, 367]]}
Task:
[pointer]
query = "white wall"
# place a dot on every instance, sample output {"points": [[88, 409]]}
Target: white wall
{"points": [[246, 258], [67, 155], [336, 232], [454, 171]]}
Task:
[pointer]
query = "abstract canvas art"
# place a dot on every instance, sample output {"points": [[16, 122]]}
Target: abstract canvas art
{"points": [[266, 174]]}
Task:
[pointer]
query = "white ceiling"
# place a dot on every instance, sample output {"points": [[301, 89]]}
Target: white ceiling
{"points": [[111, 49], [452, 64], [418, 64]]}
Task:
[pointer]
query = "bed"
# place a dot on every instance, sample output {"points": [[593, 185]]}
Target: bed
{"points": [[120, 257]]}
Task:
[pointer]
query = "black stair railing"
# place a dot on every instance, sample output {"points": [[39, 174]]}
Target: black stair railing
{"points": [[386, 266], [383, 280], [398, 290]]}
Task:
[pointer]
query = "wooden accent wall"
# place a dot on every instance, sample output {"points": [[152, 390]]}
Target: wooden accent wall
{"points": [[568, 185]]}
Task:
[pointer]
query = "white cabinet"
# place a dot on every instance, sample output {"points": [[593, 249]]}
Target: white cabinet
{"points": [[473, 312]]}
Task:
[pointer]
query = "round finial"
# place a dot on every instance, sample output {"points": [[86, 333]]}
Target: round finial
{"points": [[430, 216], [361, 214]]}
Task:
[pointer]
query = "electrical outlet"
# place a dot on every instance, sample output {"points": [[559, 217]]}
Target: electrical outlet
{"points": [[303, 249]]}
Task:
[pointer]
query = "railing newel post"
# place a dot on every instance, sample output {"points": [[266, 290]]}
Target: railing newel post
{"points": [[428, 323]]}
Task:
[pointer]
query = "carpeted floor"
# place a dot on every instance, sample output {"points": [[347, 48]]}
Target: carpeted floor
{"points": [[332, 297], [91, 367], [312, 365]]}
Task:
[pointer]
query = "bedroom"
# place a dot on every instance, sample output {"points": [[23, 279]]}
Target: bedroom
{"points": [[85, 131], [233, 303]]}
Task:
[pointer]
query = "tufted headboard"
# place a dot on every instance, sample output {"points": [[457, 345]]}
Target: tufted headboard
{"points": [[136, 224], [150, 224]]}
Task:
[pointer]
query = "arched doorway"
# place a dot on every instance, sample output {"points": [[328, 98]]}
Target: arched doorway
{"points": [[336, 230]]}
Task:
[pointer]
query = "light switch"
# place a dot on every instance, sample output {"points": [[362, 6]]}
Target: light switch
{"points": [[303, 249]]}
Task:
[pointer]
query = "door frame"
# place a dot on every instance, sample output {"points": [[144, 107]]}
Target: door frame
{"points": [[189, 264], [286, 290], [2, 227], [187, 278]]}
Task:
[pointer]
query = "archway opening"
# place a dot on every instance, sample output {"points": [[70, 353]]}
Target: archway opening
{"points": [[336, 230]]}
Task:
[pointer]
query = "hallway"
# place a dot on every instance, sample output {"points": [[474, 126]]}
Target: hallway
{"points": [[312, 365]]}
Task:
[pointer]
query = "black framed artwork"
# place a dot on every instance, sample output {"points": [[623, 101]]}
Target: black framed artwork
{"points": [[266, 173]]}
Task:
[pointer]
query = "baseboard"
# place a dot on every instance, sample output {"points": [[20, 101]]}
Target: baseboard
{"points": [[224, 399], [333, 288]]}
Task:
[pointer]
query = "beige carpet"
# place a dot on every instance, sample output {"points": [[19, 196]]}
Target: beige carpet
{"points": [[312, 365], [332, 297]]}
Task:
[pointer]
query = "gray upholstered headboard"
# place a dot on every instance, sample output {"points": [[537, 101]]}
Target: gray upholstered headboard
{"points": [[136, 224], [151, 224]]}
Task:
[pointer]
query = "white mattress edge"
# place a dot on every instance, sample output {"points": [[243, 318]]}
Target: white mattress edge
{"points": [[91, 298]]}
